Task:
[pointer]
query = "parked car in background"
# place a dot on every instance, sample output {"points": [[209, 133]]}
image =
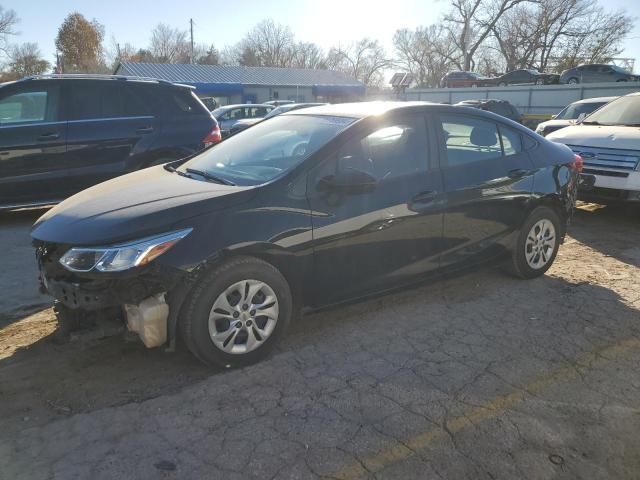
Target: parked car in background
{"points": [[597, 72], [569, 114], [277, 103], [289, 107], [229, 115], [527, 76], [60, 134], [608, 140], [500, 107], [308, 209], [464, 79]]}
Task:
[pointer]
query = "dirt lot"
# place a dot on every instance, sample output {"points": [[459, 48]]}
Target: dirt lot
{"points": [[479, 376]]}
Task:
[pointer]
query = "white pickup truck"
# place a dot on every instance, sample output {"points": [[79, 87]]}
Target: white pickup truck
{"points": [[608, 141]]}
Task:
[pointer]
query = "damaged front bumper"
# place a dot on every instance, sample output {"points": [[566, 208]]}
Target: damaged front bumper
{"points": [[149, 296]]}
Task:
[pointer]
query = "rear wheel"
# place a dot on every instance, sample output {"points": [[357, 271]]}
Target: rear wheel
{"points": [[539, 81], [502, 84], [236, 315], [537, 244], [573, 81]]}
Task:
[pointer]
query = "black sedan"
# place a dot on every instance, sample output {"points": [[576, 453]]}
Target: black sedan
{"points": [[525, 77], [311, 208]]}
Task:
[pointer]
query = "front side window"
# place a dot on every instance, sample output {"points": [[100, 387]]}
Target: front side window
{"points": [[33, 106], [394, 150], [469, 139], [268, 149]]}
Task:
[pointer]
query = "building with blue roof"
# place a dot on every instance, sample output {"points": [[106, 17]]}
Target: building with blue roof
{"points": [[236, 84]]}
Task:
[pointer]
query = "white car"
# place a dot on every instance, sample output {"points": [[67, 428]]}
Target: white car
{"points": [[569, 114], [608, 141]]}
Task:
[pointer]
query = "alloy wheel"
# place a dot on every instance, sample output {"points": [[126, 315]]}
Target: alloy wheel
{"points": [[243, 316], [540, 244]]}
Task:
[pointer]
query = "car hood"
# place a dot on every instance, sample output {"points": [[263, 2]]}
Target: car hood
{"points": [[598, 136], [136, 205]]}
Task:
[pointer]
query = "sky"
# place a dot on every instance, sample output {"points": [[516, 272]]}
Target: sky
{"points": [[325, 22]]}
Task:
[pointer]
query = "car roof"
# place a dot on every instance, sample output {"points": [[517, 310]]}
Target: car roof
{"points": [[358, 109], [99, 77], [596, 100]]}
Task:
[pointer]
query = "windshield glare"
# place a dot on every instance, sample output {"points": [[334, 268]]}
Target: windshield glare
{"points": [[622, 111], [573, 111], [268, 149]]}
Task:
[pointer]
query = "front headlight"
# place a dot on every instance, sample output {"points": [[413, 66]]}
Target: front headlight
{"points": [[120, 257]]}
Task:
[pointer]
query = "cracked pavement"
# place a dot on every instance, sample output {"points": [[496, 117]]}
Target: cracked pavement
{"points": [[477, 376]]}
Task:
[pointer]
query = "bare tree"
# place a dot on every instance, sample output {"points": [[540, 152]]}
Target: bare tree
{"points": [[426, 53], [169, 45], [365, 60], [26, 60], [307, 55], [471, 22], [8, 20], [206, 55]]}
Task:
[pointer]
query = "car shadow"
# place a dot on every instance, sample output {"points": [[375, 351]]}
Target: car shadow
{"points": [[43, 380], [19, 280], [607, 230]]}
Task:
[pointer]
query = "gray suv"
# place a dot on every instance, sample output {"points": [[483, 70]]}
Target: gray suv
{"points": [[596, 72]]}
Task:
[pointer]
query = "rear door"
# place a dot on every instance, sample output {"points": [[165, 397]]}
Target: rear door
{"points": [[373, 240], [107, 126], [32, 143], [488, 182]]}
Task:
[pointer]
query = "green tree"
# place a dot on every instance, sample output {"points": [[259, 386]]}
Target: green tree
{"points": [[79, 42]]}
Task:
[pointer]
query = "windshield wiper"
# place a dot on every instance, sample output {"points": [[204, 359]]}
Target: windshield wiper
{"points": [[172, 169], [211, 177], [590, 122]]}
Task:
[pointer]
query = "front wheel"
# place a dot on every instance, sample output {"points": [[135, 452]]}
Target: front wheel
{"points": [[537, 244], [573, 81], [539, 81], [237, 313]]}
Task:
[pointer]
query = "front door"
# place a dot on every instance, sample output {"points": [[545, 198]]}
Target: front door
{"points": [[370, 240], [32, 143], [488, 182]]}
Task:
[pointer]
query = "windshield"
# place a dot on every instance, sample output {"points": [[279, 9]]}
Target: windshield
{"points": [[573, 111], [268, 149], [619, 69], [622, 111]]}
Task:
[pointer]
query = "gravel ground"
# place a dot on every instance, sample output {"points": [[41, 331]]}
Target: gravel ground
{"points": [[478, 376]]}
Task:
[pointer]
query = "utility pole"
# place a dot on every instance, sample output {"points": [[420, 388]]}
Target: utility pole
{"points": [[191, 28]]}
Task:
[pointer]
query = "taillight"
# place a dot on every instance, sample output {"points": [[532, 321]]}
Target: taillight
{"points": [[214, 136], [578, 163]]}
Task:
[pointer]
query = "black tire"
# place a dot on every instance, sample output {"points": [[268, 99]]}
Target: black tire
{"points": [[502, 84], [194, 321], [540, 81], [573, 81], [518, 265]]}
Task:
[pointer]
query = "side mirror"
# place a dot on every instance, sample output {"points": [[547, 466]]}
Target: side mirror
{"points": [[349, 181], [581, 117]]}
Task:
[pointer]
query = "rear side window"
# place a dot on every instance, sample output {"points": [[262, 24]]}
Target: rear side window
{"points": [[468, 139], [511, 141], [37, 105], [105, 99], [184, 102]]}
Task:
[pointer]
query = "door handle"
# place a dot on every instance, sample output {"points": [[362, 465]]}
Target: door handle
{"points": [[48, 136], [425, 197], [518, 173], [144, 130]]}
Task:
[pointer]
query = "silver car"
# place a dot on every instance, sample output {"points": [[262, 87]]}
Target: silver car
{"points": [[596, 72]]}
